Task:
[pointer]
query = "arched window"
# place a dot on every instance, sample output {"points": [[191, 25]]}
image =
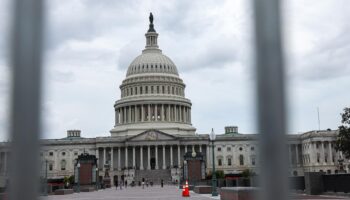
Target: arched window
{"points": [[219, 162], [146, 90], [229, 161], [63, 164], [141, 90], [241, 160]]}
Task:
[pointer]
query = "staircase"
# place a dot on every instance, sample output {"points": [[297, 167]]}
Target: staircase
{"points": [[154, 176]]}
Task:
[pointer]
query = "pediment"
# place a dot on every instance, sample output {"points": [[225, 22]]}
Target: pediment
{"points": [[152, 135]]}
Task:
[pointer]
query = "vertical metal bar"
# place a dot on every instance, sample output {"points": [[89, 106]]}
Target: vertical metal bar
{"points": [[271, 100], [26, 49]]}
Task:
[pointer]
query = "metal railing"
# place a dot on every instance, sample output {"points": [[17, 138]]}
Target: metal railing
{"points": [[26, 97]]}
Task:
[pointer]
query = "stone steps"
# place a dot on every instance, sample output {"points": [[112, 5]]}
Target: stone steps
{"points": [[154, 176]]}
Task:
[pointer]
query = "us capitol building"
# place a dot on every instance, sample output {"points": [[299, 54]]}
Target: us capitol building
{"points": [[153, 131]]}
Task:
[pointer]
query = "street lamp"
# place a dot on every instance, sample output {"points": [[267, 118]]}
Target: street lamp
{"points": [[97, 177], [78, 166], [212, 138]]}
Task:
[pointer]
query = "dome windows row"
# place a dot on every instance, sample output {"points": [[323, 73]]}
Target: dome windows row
{"points": [[152, 68], [153, 89], [152, 79]]}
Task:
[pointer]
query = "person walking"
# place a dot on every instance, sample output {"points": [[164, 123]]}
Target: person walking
{"points": [[126, 184], [161, 182], [143, 183], [116, 184], [121, 183]]}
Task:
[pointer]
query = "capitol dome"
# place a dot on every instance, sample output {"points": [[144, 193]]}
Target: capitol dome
{"points": [[152, 61], [152, 94]]}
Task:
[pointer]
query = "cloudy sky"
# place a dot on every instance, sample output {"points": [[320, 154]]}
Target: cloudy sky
{"points": [[90, 44]]}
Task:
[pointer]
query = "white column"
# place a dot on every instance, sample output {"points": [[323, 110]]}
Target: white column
{"points": [[175, 109], [135, 113], [322, 153], [185, 113], [112, 165], [142, 113], [148, 158], [162, 113], [119, 167], [141, 158], [200, 148], [330, 152], [104, 156], [189, 116], [178, 156], [156, 152], [124, 118], [297, 154], [193, 149], [133, 157], [168, 112], [164, 167], [171, 156], [126, 157], [97, 154], [129, 113], [156, 112], [180, 111], [185, 149], [207, 156], [149, 112]]}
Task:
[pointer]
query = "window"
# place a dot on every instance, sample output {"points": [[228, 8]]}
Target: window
{"points": [[140, 90], [318, 157], [50, 167], [51, 154], [252, 148], [240, 148], [146, 90], [151, 89], [157, 89], [219, 148], [228, 148], [63, 153], [219, 162], [253, 161], [295, 173], [63, 165], [229, 162], [241, 160], [75, 153]]}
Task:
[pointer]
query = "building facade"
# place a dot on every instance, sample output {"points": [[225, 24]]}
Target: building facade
{"points": [[153, 131]]}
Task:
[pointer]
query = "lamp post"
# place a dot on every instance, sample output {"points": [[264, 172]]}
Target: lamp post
{"points": [[45, 186], [213, 191], [78, 173], [97, 178]]}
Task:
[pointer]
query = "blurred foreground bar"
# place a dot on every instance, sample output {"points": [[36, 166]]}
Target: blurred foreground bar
{"points": [[26, 59], [271, 100]]}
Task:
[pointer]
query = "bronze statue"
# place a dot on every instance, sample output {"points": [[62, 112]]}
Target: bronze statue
{"points": [[151, 18]]}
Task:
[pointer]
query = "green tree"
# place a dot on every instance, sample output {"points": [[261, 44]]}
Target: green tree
{"points": [[343, 139], [248, 173]]}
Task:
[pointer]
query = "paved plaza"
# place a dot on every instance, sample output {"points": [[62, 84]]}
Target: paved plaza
{"points": [[154, 193]]}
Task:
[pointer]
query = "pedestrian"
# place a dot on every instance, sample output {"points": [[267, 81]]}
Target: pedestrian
{"points": [[147, 183], [116, 184], [126, 184], [121, 183], [161, 182]]}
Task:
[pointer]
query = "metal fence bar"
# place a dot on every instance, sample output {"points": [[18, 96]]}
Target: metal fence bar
{"points": [[271, 100], [26, 50]]}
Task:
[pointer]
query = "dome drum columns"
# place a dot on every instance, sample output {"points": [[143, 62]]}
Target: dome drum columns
{"points": [[153, 113]]}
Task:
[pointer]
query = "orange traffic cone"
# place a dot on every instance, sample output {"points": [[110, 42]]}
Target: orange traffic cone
{"points": [[185, 190]]}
